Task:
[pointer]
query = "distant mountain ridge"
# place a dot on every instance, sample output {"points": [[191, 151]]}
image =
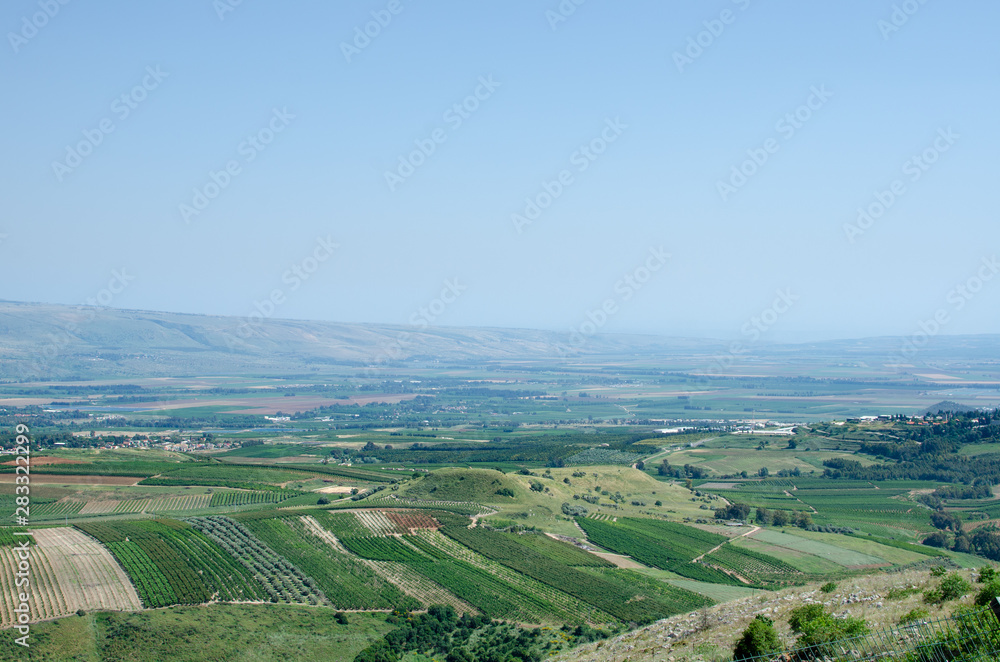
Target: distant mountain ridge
{"points": [[46, 341], [51, 341]]}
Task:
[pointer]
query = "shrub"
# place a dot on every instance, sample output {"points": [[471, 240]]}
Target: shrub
{"points": [[760, 638], [800, 616], [988, 592], [505, 491], [828, 587], [913, 615], [341, 618], [987, 574], [952, 587]]}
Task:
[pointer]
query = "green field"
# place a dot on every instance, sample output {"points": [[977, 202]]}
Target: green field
{"points": [[732, 461], [842, 556], [253, 633], [169, 562]]}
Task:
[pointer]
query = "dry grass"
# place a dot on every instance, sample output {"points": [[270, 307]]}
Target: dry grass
{"points": [[709, 635]]}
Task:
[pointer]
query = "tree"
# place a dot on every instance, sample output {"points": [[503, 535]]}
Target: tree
{"points": [[817, 629], [763, 472], [763, 516], [803, 520], [779, 518], [736, 511], [760, 638], [944, 521], [377, 652]]}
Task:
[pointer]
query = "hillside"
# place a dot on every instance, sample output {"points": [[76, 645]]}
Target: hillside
{"points": [[39, 341], [48, 341], [710, 634]]}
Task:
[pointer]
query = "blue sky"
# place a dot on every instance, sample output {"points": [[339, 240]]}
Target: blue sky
{"points": [[871, 94]]}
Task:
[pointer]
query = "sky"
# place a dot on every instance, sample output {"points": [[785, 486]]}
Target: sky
{"points": [[769, 171]]}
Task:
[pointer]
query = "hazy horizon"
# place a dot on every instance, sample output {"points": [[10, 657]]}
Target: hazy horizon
{"points": [[256, 323], [562, 166]]}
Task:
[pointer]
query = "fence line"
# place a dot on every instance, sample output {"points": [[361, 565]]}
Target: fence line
{"points": [[969, 636]]}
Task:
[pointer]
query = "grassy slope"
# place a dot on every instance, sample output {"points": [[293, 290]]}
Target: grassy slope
{"points": [[543, 509], [711, 634], [241, 633]]}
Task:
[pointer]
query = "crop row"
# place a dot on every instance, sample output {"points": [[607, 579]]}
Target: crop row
{"points": [[185, 502], [560, 551], [687, 536], [7, 537], [55, 509], [196, 569], [235, 472], [137, 469], [389, 548], [245, 498], [152, 586], [376, 522], [755, 566], [680, 600], [589, 588], [493, 588], [342, 525], [281, 581], [346, 581], [661, 553]]}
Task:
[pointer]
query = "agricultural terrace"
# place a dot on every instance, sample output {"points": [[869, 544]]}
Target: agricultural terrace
{"points": [[69, 571]]}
